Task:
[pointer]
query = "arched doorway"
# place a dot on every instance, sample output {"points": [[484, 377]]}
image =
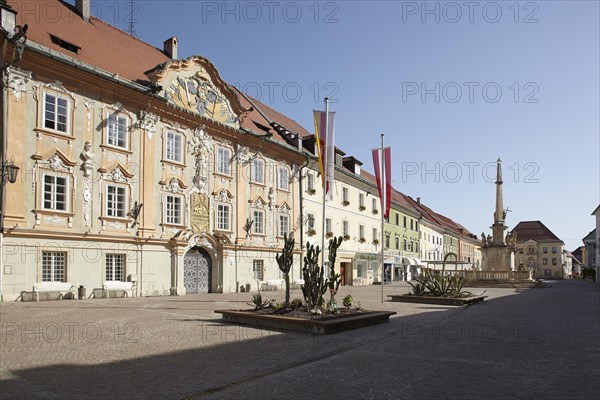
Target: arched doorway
{"points": [[197, 271]]}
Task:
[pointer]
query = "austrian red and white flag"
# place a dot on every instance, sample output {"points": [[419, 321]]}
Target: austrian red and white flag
{"points": [[325, 133], [384, 178]]}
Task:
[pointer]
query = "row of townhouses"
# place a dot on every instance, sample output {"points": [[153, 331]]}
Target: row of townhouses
{"points": [[139, 170]]}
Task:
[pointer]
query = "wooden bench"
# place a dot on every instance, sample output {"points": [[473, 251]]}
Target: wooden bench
{"points": [[54, 287], [117, 285]]}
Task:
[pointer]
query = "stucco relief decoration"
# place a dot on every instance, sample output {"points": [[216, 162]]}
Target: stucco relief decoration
{"points": [[199, 94], [115, 225], [223, 196], [258, 203], [243, 155], [87, 167], [17, 85], [55, 163], [89, 105], [271, 197], [170, 230], [295, 173], [200, 142], [284, 208], [148, 122], [54, 219], [57, 86], [200, 145], [201, 240], [173, 186], [117, 176]]}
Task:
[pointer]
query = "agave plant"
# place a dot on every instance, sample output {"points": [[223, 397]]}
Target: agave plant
{"points": [[258, 302], [419, 287]]}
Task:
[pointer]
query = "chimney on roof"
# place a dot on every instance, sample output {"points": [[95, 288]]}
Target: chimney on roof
{"points": [[170, 47], [83, 6], [418, 200]]}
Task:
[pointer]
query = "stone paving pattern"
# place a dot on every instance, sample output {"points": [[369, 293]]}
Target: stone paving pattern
{"points": [[518, 344]]}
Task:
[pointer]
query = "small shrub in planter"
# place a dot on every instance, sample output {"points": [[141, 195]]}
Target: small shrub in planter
{"points": [[347, 301], [296, 304]]}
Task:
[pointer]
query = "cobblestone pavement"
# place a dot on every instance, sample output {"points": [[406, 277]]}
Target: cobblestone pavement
{"points": [[518, 344]]}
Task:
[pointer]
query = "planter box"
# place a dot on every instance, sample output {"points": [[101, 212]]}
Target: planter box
{"points": [[445, 301], [298, 324]]}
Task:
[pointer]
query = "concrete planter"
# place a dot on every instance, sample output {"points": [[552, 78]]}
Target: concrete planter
{"points": [[444, 301], [299, 324]]}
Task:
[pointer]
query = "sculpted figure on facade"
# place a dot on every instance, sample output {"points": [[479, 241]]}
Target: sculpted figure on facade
{"points": [[87, 157]]}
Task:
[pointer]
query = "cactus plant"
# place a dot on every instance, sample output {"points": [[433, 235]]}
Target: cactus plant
{"points": [[314, 282], [334, 279], [285, 261]]}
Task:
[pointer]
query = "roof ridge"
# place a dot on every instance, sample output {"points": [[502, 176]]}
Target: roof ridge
{"points": [[116, 28]]}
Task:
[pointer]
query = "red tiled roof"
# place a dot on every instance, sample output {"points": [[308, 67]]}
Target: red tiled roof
{"points": [[534, 230], [276, 116], [100, 44]]}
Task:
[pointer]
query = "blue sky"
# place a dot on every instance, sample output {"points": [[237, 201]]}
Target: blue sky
{"points": [[453, 86]]}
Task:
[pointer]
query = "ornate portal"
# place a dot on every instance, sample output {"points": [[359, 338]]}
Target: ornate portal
{"points": [[200, 207]]}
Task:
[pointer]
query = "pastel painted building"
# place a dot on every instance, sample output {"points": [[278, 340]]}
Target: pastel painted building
{"points": [[139, 170], [539, 250]]}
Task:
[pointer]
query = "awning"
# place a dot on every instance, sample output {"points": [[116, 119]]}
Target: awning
{"points": [[411, 261]]}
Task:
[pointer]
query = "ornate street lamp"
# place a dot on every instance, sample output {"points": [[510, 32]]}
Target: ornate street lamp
{"points": [[13, 33], [9, 172], [8, 21]]}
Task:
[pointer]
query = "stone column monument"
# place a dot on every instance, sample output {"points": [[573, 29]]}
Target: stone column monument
{"points": [[496, 251]]}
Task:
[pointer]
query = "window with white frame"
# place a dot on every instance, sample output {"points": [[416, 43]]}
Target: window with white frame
{"points": [[361, 201], [375, 234], [259, 222], [116, 130], [223, 217], [54, 265], [258, 269], [361, 231], [310, 178], [174, 209], [283, 180], [115, 267], [310, 221], [345, 195], [116, 201], [374, 204], [328, 225], [56, 113], [258, 171], [223, 161], [174, 147], [284, 225], [345, 229], [55, 193]]}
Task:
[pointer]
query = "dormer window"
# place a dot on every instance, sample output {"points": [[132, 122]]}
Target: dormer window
{"points": [[64, 44]]}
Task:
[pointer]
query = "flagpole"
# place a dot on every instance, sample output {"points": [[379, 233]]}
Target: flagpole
{"points": [[383, 207], [324, 180]]}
